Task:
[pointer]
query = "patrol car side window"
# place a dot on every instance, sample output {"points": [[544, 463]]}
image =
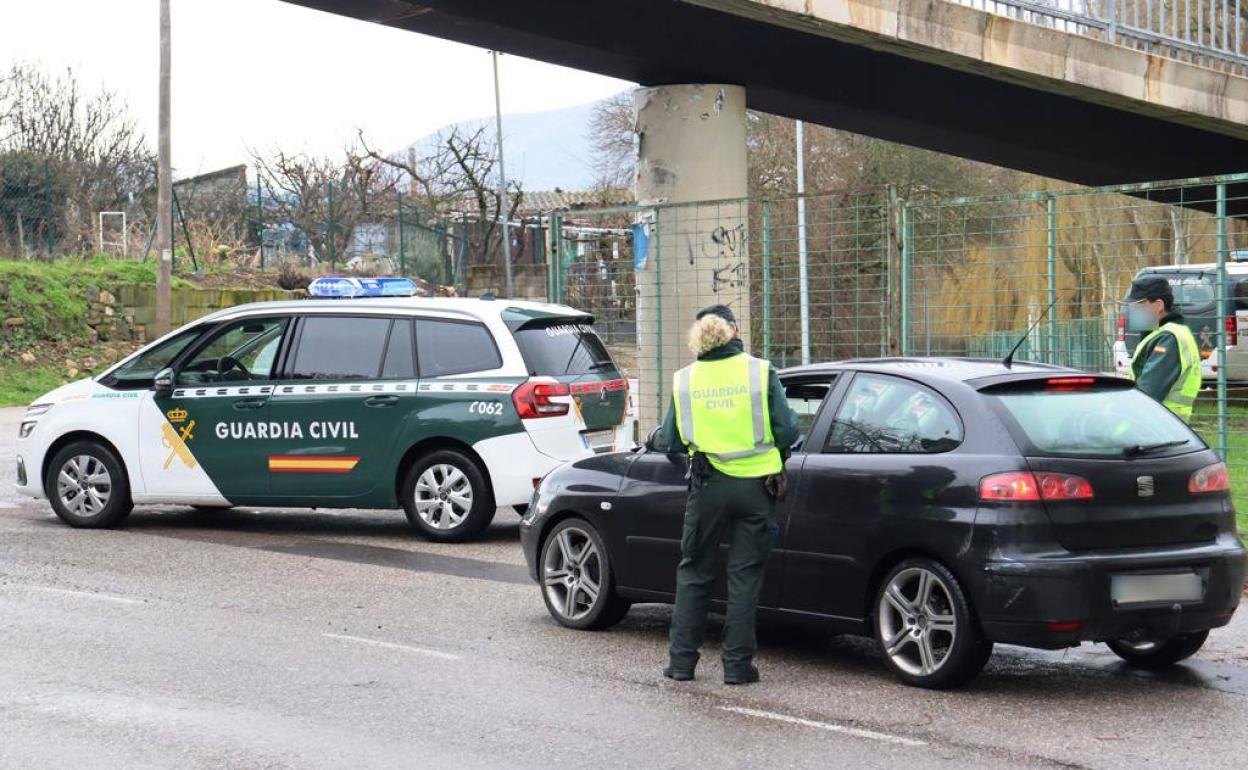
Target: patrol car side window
{"points": [[450, 347], [339, 348], [242, 351], [889, 415]]}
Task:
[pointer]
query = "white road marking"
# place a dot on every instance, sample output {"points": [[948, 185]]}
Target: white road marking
{"points": [[392, 646], [854, 731], [82, 594]]}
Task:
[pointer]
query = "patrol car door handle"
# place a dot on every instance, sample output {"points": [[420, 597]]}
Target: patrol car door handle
{"points": [[244, 404], [379, 401]]}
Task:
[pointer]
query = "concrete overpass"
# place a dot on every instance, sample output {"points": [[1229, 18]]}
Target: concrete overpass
{"points": [[928, 73]]}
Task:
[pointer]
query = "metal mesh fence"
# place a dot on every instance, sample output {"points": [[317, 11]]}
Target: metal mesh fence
{"points": [[800, 293]]}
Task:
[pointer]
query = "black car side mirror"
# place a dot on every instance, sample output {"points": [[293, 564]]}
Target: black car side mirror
{"points": [[650, 437], [163, 381]]}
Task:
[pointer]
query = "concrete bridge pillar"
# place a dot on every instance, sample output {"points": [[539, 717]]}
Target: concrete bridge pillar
{"points": [[692, 168]]}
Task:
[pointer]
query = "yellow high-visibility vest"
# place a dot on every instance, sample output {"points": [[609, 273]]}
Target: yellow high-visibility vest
{"points": [[721, 411], [1182, 394]]}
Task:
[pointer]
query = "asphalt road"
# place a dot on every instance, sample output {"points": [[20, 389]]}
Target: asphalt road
{"points": [[275, 639]]}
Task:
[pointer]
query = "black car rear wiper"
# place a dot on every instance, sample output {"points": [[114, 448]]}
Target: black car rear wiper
{"points": [[1143, 449], [601, 364]]}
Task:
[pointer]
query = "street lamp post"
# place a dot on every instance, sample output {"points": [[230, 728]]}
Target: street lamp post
{"points": [[504, 205]]}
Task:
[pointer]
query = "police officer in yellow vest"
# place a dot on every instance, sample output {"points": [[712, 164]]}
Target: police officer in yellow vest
{"points": [[1166, 364], [730, 413]]}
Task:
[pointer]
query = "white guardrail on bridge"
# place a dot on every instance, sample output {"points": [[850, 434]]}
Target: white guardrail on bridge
{"points": [[1206, 32]]}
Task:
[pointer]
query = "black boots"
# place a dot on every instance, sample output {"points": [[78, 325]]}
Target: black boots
{"points": [[747, 675]]}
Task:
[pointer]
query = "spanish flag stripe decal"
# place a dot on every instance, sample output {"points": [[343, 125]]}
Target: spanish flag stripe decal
{"points": [[311, 464]]}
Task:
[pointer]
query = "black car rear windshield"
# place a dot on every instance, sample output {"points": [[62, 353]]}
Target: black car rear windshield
{"points": [[1096, 421], [560, 349]]}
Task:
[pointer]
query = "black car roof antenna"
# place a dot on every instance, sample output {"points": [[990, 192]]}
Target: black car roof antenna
{"points": [[1008, 361]]}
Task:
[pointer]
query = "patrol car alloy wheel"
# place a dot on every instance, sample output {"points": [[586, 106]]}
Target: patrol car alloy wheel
{"points": [[577, 583], [925, 627], [87, 486], [446, 497]]}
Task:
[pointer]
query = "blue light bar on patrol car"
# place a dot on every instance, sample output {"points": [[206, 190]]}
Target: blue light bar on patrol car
{"points": [[333, 287]]}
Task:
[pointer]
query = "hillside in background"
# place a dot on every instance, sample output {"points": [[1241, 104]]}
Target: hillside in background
{"points": [[544, 150]]}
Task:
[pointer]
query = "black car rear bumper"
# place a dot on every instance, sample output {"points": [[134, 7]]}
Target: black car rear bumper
{"points": [[1066, 599]]}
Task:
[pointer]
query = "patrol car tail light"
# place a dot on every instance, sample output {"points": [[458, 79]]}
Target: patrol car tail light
{"points": [[1232, 331], [1122, 328], [1212, 478], [532, 400], [1021, 487]]}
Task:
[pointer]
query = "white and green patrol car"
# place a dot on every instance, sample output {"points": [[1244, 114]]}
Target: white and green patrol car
{"points": [[447, 408]]}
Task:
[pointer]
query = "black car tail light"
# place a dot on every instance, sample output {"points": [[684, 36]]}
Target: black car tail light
{"points": [[533, 400], [1211, 478], [1069, 383], [1023, 486]]}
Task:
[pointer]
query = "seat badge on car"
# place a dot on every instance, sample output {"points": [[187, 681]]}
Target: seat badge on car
{"points": [[1144, 485]]}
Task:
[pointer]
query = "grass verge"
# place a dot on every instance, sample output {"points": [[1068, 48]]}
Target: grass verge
{"points": [[22, 383]]}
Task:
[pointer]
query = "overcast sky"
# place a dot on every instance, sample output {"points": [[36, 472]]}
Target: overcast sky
{"points": [[262, 73]]}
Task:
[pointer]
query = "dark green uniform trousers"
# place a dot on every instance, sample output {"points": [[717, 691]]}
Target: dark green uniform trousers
{"points": [[742, 509]]}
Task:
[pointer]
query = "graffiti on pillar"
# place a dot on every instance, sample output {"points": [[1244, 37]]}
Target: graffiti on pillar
{"points": [[731, 277]]}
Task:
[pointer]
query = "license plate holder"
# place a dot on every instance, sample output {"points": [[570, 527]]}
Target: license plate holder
{"points": [[1180, 586], [599, 440]]}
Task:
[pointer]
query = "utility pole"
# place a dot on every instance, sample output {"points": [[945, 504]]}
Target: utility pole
{"points": [[164, 188], [803, 276], [504, 206]]}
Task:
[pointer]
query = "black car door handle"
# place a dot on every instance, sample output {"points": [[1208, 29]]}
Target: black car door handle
{"points": [[245, 404], [379, 401]]}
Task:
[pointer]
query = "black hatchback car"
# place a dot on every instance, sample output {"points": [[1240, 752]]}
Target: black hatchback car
{"points": [[939, 506]]}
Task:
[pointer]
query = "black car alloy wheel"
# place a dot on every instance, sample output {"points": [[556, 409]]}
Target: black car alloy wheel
{"points": [[925, 627], [577, 584]]}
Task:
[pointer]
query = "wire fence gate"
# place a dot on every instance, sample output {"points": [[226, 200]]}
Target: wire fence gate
{"points": [[864, 273]]}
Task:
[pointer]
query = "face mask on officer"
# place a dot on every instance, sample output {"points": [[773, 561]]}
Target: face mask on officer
{"points": [[1141, 316]]}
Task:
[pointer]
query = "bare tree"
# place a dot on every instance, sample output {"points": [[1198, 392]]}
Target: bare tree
{"points": [[326, 198], [613, 140], [89, 141], [456, 174]]}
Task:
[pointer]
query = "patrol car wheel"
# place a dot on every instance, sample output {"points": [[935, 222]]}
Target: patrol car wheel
{"points": [[87, 486], [925, 627], [578, 585], [446, 498]]}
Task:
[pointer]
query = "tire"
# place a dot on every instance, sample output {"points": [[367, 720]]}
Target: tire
{"points": [[925, 627], [1159, 654], [446, 497], [87, 486], [578, 584]]}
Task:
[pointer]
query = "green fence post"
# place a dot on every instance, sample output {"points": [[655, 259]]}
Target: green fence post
{"points": [[1050, 205], [402, 256], [1222, 315], [906, 227], [556, 257], [766, 279], [654, 258], [333, 257]]}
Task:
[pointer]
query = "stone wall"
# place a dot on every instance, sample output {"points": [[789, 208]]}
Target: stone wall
{"points": [[127, 313]]}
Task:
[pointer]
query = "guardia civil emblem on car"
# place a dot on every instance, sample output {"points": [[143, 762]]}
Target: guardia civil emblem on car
{"points": [[363, 397]]}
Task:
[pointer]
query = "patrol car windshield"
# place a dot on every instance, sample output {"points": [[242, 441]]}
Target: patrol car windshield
{"points": [[1110, 421], [139, 371], [561, 349]]}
